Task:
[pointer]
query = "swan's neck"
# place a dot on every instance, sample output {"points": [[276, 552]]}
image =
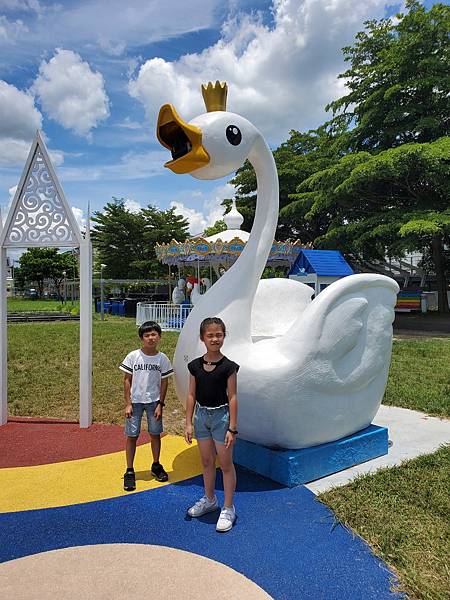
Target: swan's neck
{"points": [[232, 296], [254, 257]]}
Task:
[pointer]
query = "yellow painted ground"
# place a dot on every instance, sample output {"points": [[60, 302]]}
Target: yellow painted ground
{"points": [[96, 478]]}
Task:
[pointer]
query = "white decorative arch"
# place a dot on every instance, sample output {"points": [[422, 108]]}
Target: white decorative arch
{"points": [[40, 216]]}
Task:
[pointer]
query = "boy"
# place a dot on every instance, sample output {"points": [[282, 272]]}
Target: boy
{"points": [[145, 386]]}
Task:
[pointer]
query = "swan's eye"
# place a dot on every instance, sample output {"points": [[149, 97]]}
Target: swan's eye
{"points": [[234, 136]]}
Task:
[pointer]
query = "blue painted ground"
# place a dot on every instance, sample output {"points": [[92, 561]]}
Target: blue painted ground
{"points": [[284, 539]]}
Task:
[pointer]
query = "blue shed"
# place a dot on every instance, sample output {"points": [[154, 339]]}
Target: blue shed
{"points": [[319, 268]]}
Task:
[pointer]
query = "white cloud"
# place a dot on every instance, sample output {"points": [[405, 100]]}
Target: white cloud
{"points": [[10, 31], [5, 210], [21, 5], [138, 23], [220, 193], [72, 93], [280, 77], [107, 27], [79, 217], [196, 219], [211, 208], [111, 48], [19, 120], [13, 152], [132, 206], [127, 123], [132, 165], [56, 156]]}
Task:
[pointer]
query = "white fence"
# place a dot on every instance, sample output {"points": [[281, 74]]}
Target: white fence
{"points": [[169, 316]]}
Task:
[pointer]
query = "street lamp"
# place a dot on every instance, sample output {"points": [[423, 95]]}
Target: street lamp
{"points": [[102, 304], [65, 287]]}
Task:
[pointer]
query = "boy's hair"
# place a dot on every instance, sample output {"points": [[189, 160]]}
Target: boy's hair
{"points": [[211, 321], [149, 326]]}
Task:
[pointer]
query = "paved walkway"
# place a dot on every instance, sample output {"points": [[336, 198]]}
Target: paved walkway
{"points": [[68, 528], [421, 325], [411, 434]]}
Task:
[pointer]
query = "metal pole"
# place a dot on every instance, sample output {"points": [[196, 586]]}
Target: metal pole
{"points": [[65, 287], [3, 340], [102, 303], [170, 287], [85, 333]]}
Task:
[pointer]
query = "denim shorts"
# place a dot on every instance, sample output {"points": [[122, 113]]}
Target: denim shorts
{"points": [[133, 424], [211, 423]]}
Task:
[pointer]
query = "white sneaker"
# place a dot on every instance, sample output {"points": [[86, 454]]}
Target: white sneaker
{"points": [[203, 506], [226, 519]]}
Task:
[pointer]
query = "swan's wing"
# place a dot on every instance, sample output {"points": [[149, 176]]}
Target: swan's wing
{"points": [[277, 304], [343, 339]]}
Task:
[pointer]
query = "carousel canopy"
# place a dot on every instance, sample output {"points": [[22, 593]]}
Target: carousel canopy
{"points": [[224, 247]]}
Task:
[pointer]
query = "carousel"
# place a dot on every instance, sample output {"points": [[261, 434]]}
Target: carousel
{"points": [[203, 260]]}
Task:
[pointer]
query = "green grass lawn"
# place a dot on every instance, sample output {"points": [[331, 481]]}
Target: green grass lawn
{"points": [[43, 370], [26, 305], [43, 361], [419, 376], [402, 512]]}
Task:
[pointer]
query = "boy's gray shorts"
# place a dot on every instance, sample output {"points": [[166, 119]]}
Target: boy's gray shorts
{"points": [[133, 423]]}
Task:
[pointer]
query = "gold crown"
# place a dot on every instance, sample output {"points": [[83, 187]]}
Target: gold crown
{"points": [[215, 95]]}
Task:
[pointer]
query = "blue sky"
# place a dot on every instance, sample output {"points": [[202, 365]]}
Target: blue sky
{"points": [[93, 74]]}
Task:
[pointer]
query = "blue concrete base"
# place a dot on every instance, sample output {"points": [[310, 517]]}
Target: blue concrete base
{"points": [[294, 467]]}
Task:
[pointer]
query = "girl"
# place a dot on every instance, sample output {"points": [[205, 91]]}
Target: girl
{"points": [[212, 389]]}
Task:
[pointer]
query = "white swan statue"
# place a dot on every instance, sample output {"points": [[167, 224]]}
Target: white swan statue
{"points": [[178, 295], [196, 294], [323, 376]]}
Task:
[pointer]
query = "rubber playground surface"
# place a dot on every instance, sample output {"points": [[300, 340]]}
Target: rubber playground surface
{"points": [[68, 530]]}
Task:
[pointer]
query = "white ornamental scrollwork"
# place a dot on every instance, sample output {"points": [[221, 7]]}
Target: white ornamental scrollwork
{"points": [[40, 216]]}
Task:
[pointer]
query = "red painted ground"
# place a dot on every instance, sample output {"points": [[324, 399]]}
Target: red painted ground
{"points": [[25, 442]]}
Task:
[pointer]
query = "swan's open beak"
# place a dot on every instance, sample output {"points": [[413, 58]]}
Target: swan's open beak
{"points": [[183, 140]]}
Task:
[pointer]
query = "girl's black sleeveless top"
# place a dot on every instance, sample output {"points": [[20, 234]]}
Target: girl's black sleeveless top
{"points": [[211, 386]]}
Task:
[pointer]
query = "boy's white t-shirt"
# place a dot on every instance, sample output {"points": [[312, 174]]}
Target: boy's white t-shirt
{"points": [[147, 373]]}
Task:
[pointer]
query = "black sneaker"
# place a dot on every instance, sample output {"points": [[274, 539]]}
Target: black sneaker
{"points": [[129, 481], [158, 471]]}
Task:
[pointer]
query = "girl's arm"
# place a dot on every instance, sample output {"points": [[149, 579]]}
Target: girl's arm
{"points": [[190, 403], [232, 400]]}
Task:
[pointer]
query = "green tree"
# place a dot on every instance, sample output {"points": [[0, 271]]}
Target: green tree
{"points": [[303, 154], [39, 264], [118, 241], [386, 204], [125, 241], [373, 181], [398, 78], [162, 226], [427, 264], [218, 227]]}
